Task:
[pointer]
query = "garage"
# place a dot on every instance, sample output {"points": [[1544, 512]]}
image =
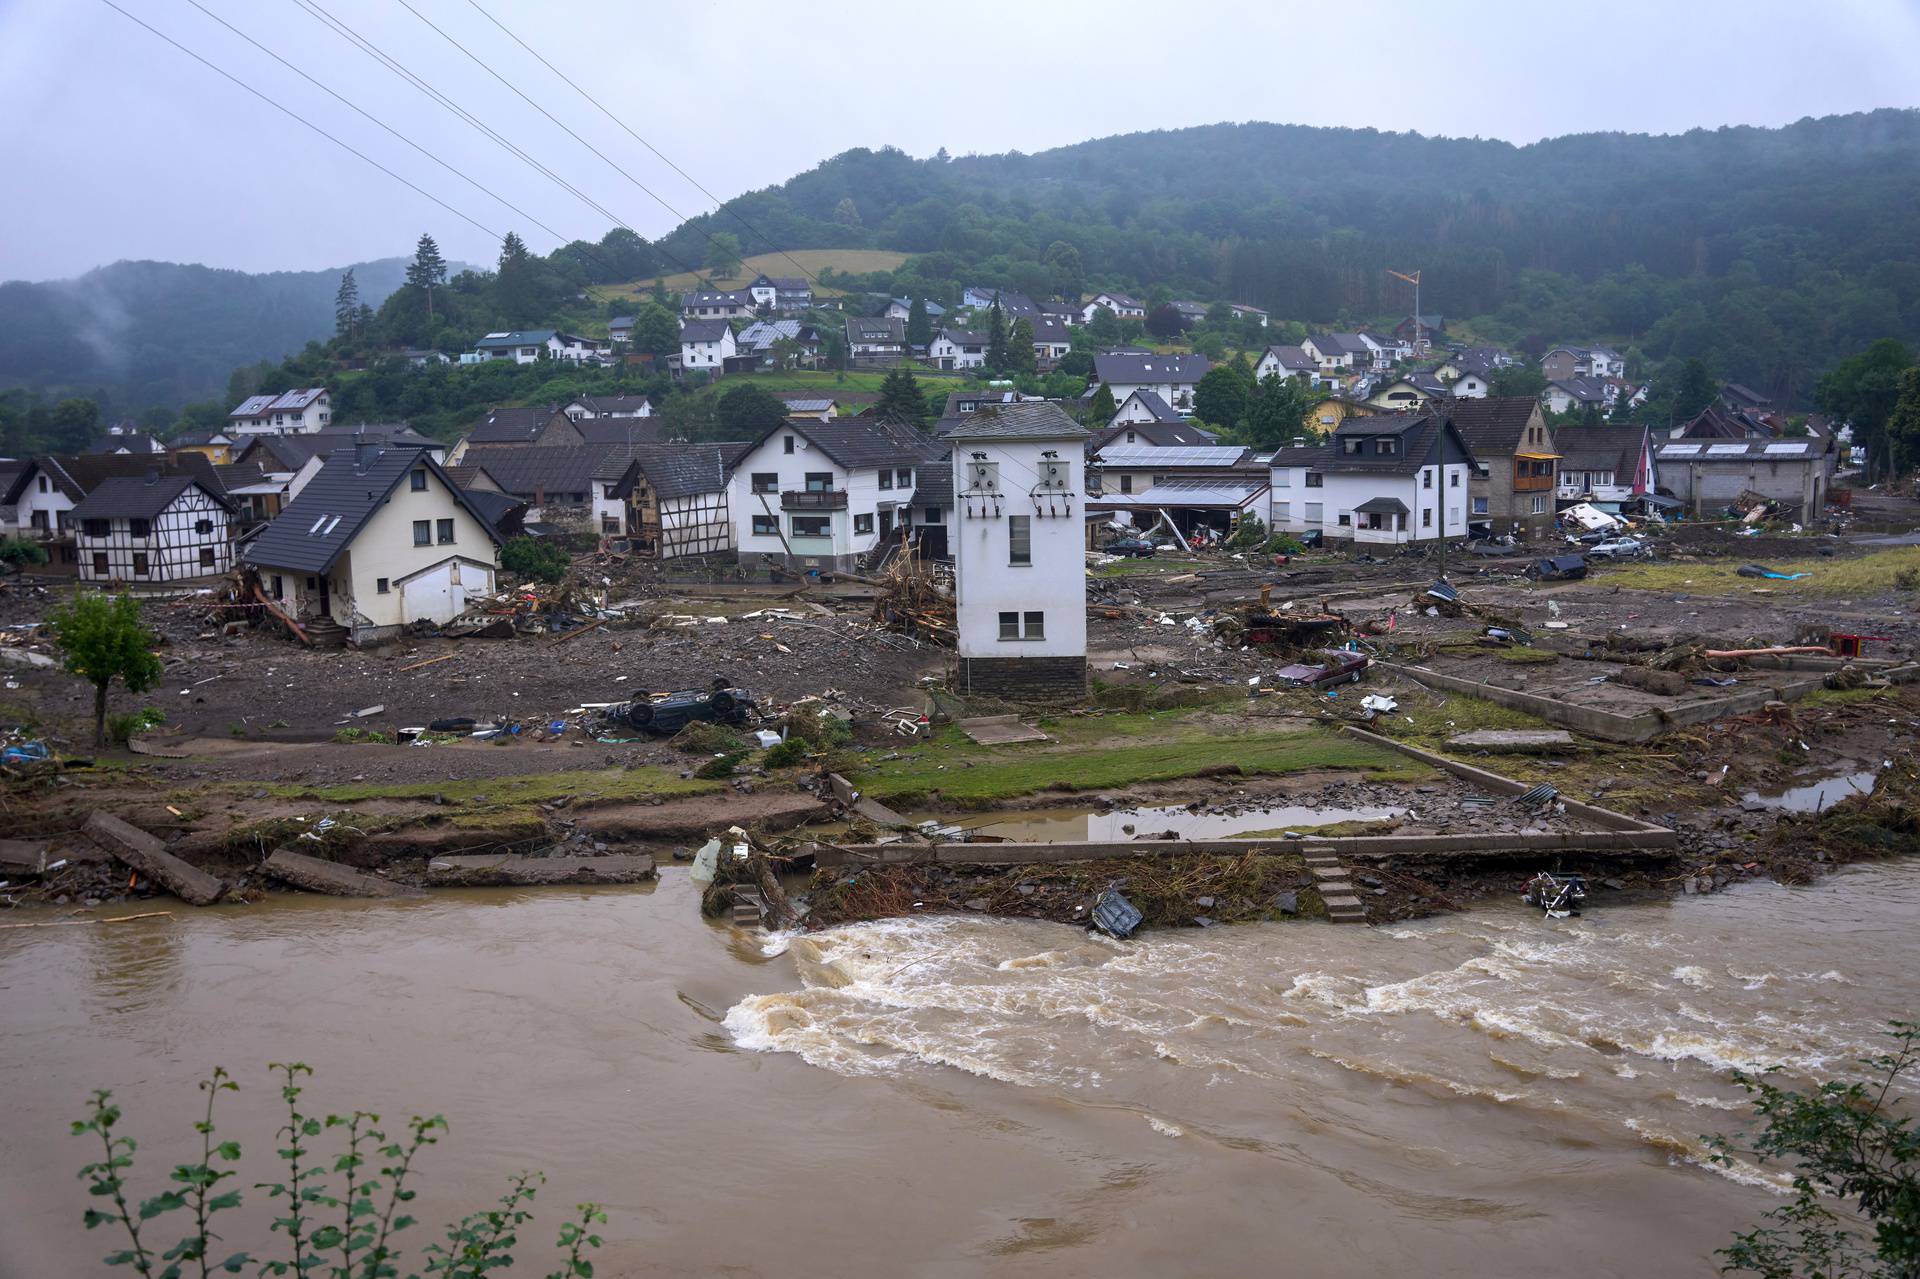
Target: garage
{"points": [[439, 592]]}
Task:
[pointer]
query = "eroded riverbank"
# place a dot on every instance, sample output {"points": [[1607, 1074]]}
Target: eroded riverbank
{"points": [[990, 1095]]}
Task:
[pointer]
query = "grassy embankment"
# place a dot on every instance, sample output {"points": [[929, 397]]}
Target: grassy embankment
{"points": [[501, 802], [1096, 752], [1150, 567], [791, 262], [1870, 574]]}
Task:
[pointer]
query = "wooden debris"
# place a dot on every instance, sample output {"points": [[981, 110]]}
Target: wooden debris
{"points": [[431, 661]]}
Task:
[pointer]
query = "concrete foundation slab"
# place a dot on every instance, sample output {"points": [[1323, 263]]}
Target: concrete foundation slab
{"points": [[318, 875], [999, 730], [1514, 741], [502, 869], [147, 855]]}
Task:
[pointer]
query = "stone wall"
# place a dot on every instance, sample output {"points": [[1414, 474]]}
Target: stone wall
{"points": [[1025, 679]]}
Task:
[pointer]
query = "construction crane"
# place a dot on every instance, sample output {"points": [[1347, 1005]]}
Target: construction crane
{"points": [[1414, 280]]}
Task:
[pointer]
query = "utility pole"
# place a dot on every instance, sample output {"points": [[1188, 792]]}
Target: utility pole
{"points": [[1418, 327]]}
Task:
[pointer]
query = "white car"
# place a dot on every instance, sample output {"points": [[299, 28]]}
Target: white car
{"points": [[1617, 548]]}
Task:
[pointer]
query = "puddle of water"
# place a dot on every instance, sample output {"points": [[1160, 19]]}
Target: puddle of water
{"points": [[1814, 797], [1075, 824]]}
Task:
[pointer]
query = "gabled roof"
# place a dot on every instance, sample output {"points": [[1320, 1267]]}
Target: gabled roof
{"points": [[933, 308], [1128, 368], [1340, 344], [1584, 390], [140, 497], [535, 470], [1211, 457], [620, 430], [764, 333], [876, 328], [704, 331], [1152, 403], [291, 452], [1049, 329], [129, 441], [252, 406], [1032, 420], [721, 297], [608, 405], [1420, 434], [855, 442], [1122, 298], [309, 535], [513, 426], [960, 337], [1495, 425], [76, 476], [1599, 448], [1710, 450], [684, 470], [1291, 357], [933, 485], [515, 337]]}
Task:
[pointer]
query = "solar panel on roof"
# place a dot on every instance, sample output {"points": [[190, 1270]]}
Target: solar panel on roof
{"points": [[1726, 450], [1680, 450], [1794, 447]]}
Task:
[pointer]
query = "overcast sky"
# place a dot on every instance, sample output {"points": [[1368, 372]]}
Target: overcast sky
{"points": [[119, 146]]}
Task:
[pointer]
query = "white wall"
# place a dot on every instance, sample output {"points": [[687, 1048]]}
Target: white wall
{"points": [[385, 549], [1339, 493], [42, 494], [986, 585], [171, 548], [862, 487]]}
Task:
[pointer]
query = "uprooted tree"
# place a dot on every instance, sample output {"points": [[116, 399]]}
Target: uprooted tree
{"points": [[101, 640]]}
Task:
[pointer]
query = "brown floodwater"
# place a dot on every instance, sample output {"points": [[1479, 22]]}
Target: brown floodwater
{"points": [[1487, 1093]]}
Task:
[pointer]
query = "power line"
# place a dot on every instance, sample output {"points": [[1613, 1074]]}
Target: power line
{"points": [[354, 106], [287, 111], [346, 32], [719, 204], [557, 122]]}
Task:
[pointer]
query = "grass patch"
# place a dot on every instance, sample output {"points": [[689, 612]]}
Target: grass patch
{"points": [[811, 261], [1153, 564], [1869, 574], [483, 793], [977, 776], [1521, 655]]}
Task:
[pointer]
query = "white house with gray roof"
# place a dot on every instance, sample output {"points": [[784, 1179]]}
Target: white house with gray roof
{"points": [[820, 496], [1172, 377], [305, 408], [706, 344], [1386, 480]]}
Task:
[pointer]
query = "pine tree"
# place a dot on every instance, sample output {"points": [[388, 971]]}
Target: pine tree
{"points": [[900, 399], [427, 269], [1021, 357], [997, 355], [346, 305], [919, 323], [1101, 409], [513, 284]]}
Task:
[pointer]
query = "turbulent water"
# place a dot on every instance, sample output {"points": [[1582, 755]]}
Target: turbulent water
{"points": [[1487, 1092]]}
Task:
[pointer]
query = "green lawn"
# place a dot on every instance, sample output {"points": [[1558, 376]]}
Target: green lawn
{"points": [[1151, 564], [597, 785], [791, 262], [1869, 574], [1095, 753]]}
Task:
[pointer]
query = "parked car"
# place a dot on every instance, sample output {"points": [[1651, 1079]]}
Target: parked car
{"points": [[1339, 667], [1617, 548], [664, 713], [1138, 547]]}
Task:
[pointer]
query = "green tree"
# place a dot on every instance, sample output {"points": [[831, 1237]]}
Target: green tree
{"points": [[1069, 278], [1689, 391], [1101, 408], [1515, 380], [745, 411], [723, 255], [346, 305], [534, 559], [1021, 357], [919, 323], [21, 553], [690, 418], [1849, 1144], [900, 398], [1104, 328], [101, 640], [1278, 412], [427, 270], [1863, 392], [1219, 316], [1221, 398], [656, 331], [1903, 425], [847, 213], [1164, 321], [515, 287], [73, 423], [997, 355]]}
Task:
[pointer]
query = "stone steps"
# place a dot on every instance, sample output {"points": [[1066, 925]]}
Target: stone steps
{"points": [[1336, 889]]}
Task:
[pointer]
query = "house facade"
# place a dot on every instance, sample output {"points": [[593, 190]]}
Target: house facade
{"points": [[1709, 475], [957, 349], [1020, 581], [1123, 306], [294, 412], [1597, 362], [379, 540], [875, 340], [1172, 377], [1052, 340], [706, 344], [679, 501], [1514, 479], [819, 497], [717, 305], [152, 528], [1386, 480], [1285, 362], [1604, 466], [780, 293]]}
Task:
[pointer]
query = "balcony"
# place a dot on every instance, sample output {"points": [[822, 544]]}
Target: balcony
{"points": [[814, 500]]}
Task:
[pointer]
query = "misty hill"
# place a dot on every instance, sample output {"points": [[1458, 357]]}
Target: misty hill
{"points": [[144, 333], [1766, 250]]}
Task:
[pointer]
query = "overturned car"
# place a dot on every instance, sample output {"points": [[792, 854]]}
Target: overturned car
{"points": [[666, 713]]}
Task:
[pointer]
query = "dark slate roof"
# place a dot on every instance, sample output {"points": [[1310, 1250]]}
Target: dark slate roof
{"points": [[1163, 435], [496, 509], [960, 337], [309, 535], [469, 475], [620, 430], [1034, 420], [858, 441], [1586, 390], [1494, 425], [292, 451], [77, 476], [133, 441], [610, 404], [1598, 448], [1291, 357], [527, 470], [138, 497], [1419, 432], [1152, 403], [704, 331], [871, 329], [933, 484], [1049, 329], [1125, 367], [512, 426], [684, 470]]}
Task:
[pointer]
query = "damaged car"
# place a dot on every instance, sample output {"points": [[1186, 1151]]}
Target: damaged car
{"points": [[662, 714], [1339, 666]]}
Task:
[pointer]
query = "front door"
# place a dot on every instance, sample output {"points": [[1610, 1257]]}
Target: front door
{"points": [[886, 524], [325, 610]]}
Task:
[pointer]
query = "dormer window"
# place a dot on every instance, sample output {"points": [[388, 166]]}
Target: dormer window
{"points": [[1351, 445], [1386, 446]]}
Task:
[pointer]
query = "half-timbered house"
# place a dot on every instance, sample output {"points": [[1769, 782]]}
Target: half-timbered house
{"points": [[153, 528]]}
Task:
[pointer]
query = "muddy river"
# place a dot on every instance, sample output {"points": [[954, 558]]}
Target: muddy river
{"points": [[1486, 1093]]}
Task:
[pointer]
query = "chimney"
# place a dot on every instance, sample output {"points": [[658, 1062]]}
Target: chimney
{"points": [[365, 452]]}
